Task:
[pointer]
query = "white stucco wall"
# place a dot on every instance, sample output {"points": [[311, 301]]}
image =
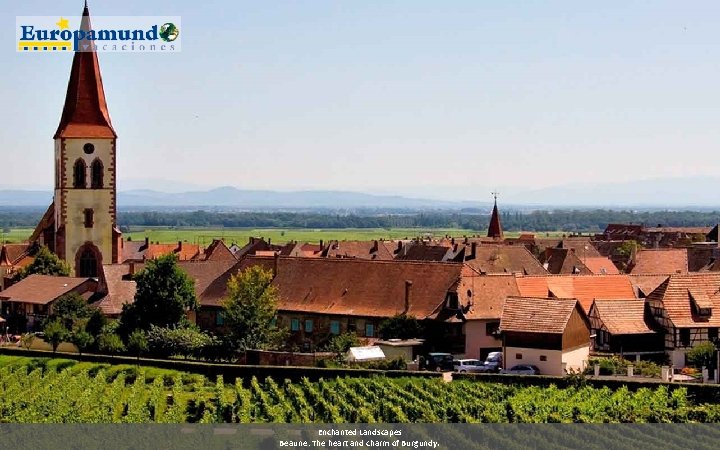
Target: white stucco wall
{"points": [[576, 359], [553, 365]]}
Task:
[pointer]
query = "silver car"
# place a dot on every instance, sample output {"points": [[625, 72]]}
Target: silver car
{"points": [[523, 369], [469, 365]]}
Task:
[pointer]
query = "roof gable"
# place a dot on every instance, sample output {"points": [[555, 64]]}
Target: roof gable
{"points": [[536, 315]]}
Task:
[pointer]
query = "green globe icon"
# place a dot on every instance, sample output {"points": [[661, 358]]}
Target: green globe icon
{"points": [[169, 32]]}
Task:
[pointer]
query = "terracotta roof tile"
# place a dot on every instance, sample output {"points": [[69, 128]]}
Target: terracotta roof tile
{"points": [[358, 249], [499, 258], [676, 297], [358, 287], [622, 316], [488, 295], [536, 315], [10, 254], [423, 252], [43, 289], [600, 265], [218, 251], [119, 289], [661, 261], [585, 288], [645, 284], [85, 113]]}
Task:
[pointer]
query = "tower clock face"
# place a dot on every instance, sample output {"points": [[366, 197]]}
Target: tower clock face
{"points": [[88, 148]]}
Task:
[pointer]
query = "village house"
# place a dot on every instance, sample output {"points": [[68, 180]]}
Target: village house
{"points": [[13, 257], [484, 311], [626, 328], [687, 307], [584, 288], [552, 334], [28, 302]]}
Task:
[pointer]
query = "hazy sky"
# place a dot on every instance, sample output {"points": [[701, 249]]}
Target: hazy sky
{"points": [[387, 96]]}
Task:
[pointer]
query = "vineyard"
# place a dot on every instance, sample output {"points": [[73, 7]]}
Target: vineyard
{"points": [[52, 391]]}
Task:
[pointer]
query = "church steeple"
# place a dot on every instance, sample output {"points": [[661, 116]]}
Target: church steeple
{"points": [[85, 113], [495, 228]]}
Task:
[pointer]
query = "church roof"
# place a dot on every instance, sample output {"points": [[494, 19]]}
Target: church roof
{"points": [[85, 113], [495, 229]]}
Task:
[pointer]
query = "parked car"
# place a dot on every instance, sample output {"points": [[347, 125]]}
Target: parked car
{"points": [[439, 362], [469, 365], [494, 362], [523, 369]]}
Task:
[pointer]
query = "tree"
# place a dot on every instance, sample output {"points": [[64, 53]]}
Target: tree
{"points": [[110, 343], [164, 294], [95, 323], [341, 343], [45, 263], [27, 339], [702, 355], [55, 333], [400, 326], [82, 340], [250, 310], [69, 308], [137, 342]]}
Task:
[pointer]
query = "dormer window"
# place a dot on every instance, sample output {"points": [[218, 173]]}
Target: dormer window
{"points": [[452, 301], [701, 303]]}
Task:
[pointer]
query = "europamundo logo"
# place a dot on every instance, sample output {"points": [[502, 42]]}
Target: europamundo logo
{"points": [[128, 34]]}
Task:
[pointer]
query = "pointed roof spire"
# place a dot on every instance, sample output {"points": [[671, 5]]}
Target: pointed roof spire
{"points": [[495, 228], [85, 113]]}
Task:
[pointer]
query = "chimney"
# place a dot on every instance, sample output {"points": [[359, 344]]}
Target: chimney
{"points": [[269, 241], [400, 245], [275, 264], [375, 247], [466, 239], [180, 245], [251, 240], [408, 293], [473, 250], [321, 244], [147, 242], [452, 241]]}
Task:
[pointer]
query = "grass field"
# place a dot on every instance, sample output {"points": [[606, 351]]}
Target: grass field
{"points": [[204, 236]]}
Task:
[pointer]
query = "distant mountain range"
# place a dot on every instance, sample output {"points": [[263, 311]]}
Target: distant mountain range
{"points": [[671, 193], [230, 197]]}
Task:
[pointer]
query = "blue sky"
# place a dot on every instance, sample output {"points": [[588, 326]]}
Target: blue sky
{"points": [[444, 99]]}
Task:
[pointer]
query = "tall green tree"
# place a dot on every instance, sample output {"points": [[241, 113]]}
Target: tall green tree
{"points": [[401, 326], [55, 334], [45, 263], [69, 309], [164, 294], [250, 310]]}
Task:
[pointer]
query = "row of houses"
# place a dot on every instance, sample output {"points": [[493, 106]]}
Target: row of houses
{"points": [[533, 318]]}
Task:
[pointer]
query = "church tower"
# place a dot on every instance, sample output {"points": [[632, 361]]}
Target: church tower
{"points": [[85, 230], [495, 228]]}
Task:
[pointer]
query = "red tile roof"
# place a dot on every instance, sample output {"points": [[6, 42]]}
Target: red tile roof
{"points": [[422, 252], [211, 284], [357, 249], [622, 316], [678, 293], [218, 251], [585, 288], [498, 258], [489, 294], [356, 287], [184, 250], [85, 113], [563, 261], [645, 284], [661, 261], [10, 254], [205, 273], [600, 265], [43, 289], [536, 315], [118, 289]]}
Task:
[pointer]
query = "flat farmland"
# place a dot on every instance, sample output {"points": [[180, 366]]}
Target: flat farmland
{"points": [[204, 236]]}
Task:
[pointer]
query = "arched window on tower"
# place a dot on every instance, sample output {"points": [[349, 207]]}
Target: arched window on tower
{"points": [[79, 174], [88, 264], [96, 174]]}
